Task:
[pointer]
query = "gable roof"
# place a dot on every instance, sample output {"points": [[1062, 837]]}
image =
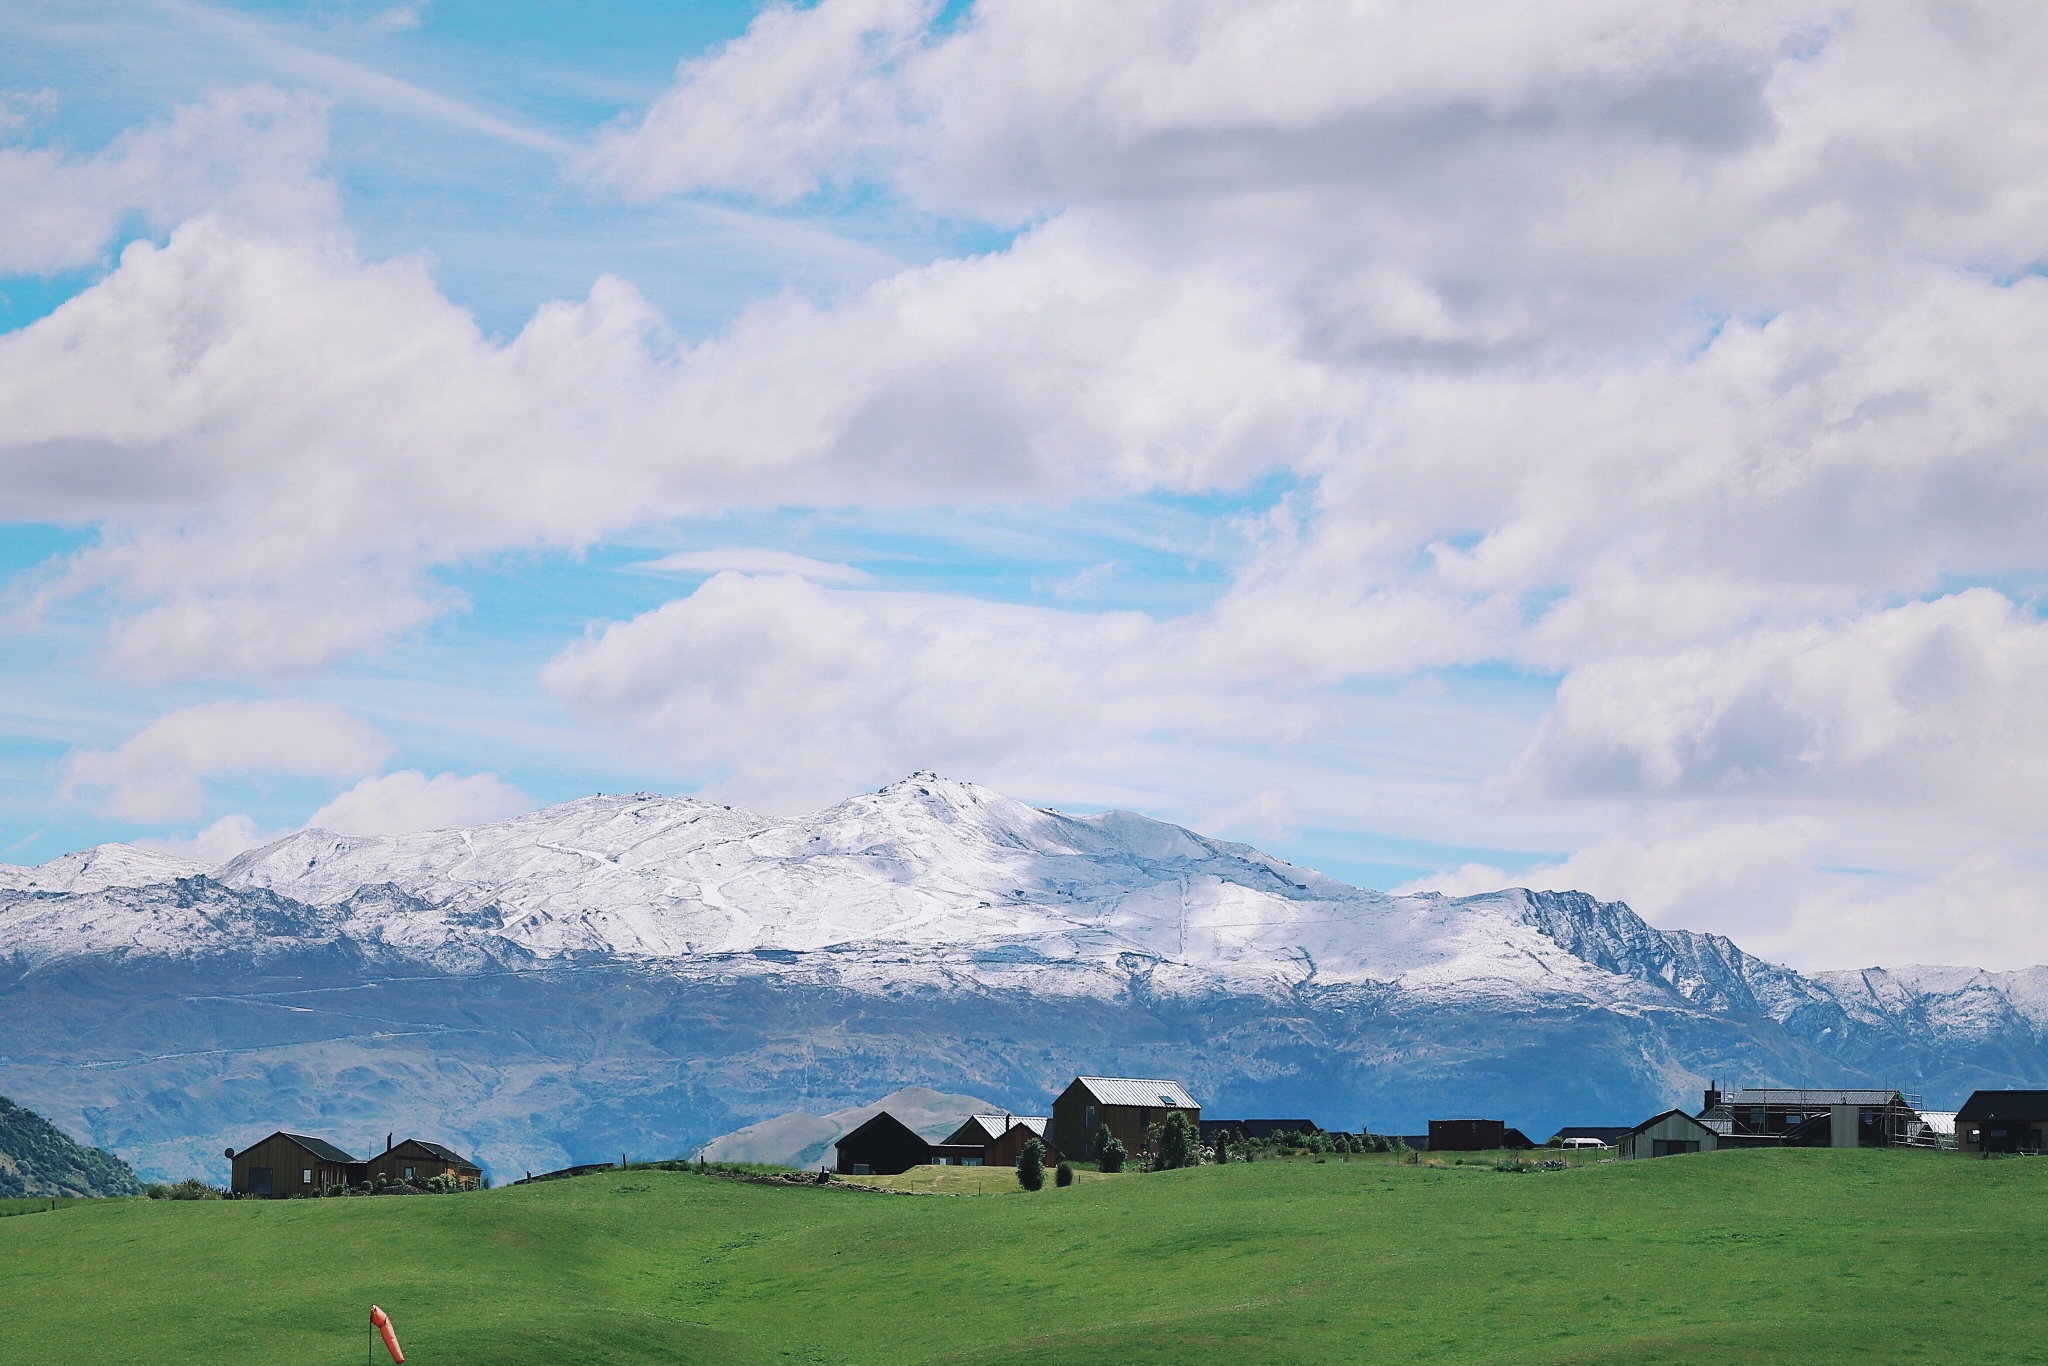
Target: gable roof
{"points": [[2018, 1107], [882, 1121], [988, 1128], [445, 1154], [1654, 1120], [1145, 1091], [319, 1147], [1606, 1133]]}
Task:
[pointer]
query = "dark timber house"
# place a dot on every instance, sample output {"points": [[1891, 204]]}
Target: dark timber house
{"points": [[416, 1161], [2003, 1122], [1128, 1105], [1811, 1118], [994, 1141], [884, 1146], [1474, 1136], [285, 1165]]}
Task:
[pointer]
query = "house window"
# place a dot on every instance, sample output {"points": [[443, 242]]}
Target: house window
{"points": [[973, 1162], [408, 1173], [861, 1169], [1088, 1120], [306, 1176]]}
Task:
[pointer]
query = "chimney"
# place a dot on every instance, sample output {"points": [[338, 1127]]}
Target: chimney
{"points": [[1713, 1096], [387, 1143]]}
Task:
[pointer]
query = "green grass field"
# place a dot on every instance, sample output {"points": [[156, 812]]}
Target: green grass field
{"points": [[1751, 1256]]}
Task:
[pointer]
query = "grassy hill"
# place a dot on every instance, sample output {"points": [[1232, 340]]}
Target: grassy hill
{"points": [[36, 1158], [1754, 1256]]}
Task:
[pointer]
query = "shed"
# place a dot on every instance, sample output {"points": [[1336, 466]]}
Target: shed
{"points": [[285, 1165], [1667, 1135], [1129, 1106], [884, 1146], [416, 1160], [1468, 1135], [2003, 1122]]}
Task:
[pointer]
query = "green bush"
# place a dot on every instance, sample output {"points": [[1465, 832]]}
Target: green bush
{"points": [[1031, 1165], [1222, 1152], [191, 1188], [157, 1190], [1063, 1175], [1110, 1153], [1175, 1143]]}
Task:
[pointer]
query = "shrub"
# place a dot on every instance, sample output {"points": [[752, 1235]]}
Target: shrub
{"points": [[191, 1188], [1109, 1151], [1031, 1165], [1175, 1143], [157, 1190], [1222, 1157], [1063, 1175]]}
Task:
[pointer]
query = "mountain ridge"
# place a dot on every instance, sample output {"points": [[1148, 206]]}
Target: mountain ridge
{"points": [[622, 970]]}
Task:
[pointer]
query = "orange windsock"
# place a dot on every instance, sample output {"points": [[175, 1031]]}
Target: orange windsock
{"points": [[383, 1322]]}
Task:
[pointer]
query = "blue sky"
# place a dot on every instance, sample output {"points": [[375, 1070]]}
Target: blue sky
{"points": [[1444, 454]]}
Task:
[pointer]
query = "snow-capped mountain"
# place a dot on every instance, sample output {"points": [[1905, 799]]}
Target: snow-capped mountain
{"points": [[558, 955]]}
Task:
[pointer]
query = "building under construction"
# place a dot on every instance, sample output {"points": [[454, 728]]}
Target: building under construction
{"points": [[1792, 1117]]}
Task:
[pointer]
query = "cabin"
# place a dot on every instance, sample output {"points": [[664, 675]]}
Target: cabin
{"points": [[1474, 1136], [1129, 1106], [1667, 1135], [284, 1165], [994, 1141], [416, 1161], [1810, 1117], [2003, 1122], [884, 1146]]}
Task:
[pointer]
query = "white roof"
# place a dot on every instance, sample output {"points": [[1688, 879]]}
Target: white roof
{"points": [[1942, 1122], [1150, 1091], [995, 1126]]}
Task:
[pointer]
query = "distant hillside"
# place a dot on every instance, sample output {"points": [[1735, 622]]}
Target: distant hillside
{"points": [[804, 1140], [37, 1159]]}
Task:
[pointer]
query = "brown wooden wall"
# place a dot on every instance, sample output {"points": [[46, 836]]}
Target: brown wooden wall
{"points": [[425, 1166], [1004, 1151], [289, 1164], [1072, 1134]]}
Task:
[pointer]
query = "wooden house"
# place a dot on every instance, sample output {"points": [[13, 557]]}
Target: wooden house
{"points": [[1129, 1106], [995, 1141], [2003, 1122], [884, 1146], [416, 1161], [284, 1165], [1809, 1117]]}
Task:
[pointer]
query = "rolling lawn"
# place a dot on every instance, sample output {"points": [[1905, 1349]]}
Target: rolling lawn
{"points": [[1806, 1256]]}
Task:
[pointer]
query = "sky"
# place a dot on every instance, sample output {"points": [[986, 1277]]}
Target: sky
{"points": [[1590, 445]]}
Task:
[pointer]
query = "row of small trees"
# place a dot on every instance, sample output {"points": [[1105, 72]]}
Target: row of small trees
{"points": [[1176, 1142]]}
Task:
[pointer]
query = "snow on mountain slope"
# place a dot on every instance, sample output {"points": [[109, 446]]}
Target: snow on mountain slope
{"points": [[98, 868], [1966, 1005], [923, 866]]}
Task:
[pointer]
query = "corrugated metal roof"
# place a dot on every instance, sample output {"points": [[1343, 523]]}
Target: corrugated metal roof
{"points": [[1942, 1122], [320, 1148], [1771, 1095], [996, 1128], [1150, 1091]]}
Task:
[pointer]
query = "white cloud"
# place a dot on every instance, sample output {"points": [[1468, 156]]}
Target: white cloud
{"points": [[215, 844], [159, 773], [754, 560], [247, 155], [408, 800], [1467, 879], [1673, 351]]}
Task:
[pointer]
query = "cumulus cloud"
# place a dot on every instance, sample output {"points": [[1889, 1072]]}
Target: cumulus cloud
{"points": [[215, 844], [248, 155], [1686, 353], [159, 773], [408, 800]]}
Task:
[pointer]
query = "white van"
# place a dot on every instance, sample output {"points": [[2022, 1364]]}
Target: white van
{"points": [[1582, 1143]]}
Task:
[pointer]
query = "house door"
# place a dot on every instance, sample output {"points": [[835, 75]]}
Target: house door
{"points": [[259, 1180]]}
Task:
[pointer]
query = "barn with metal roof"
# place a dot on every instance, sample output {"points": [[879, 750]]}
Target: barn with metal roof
{"points": [[1129, 1106]]}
